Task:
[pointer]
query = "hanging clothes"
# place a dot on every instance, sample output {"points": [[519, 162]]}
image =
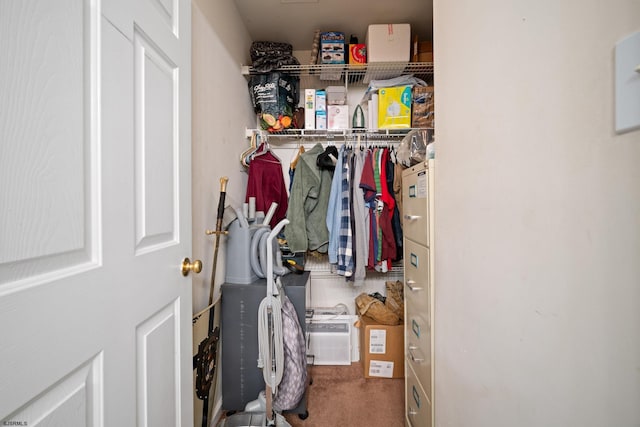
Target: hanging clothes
{"points": [[396, 222], [368, 185], [379, 208], [307, 212], [388, 253], [266, 183], [347, 218], [382, 248], [360, 216], [345, 242], [352, 219], [333, 213]]}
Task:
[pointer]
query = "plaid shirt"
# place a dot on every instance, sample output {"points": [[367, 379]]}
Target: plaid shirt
{"points": [[345, 243]]}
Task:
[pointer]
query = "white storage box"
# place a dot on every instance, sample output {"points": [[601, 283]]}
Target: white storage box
{"points": [[336, 95], [388, 43], [330, 340]]}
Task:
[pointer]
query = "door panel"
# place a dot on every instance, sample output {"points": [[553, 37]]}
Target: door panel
{"points": [[156, 146], [158, 368], [46, 163], [168, 9], [75, 400], [95, 218]]}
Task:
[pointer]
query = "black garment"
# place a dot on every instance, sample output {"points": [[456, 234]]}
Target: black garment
{"points": [[396, 224], [268, 56]]}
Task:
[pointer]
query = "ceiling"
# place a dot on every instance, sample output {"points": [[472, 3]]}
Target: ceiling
{"points": [[295, 21]]}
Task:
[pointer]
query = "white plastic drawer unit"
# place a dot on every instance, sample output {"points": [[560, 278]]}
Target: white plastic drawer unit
{"points": [[418, 345], [329, 342], [417, 405], [415, 216]]}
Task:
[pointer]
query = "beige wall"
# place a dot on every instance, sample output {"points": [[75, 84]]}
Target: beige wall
{"points": [[221, 111], [537, 217]]}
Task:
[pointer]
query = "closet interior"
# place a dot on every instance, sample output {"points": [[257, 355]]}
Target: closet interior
{"points": [[355, 169]]}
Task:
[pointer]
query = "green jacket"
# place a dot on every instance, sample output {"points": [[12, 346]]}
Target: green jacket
{"points": [[307, 212]]}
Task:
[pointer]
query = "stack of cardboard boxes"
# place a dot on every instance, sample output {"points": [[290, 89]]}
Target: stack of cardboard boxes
{"points": [[382, 328]]}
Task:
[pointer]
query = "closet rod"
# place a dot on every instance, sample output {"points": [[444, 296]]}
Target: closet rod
{"points": [[307, 133]]}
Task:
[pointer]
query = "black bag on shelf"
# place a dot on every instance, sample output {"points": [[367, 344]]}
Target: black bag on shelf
{"points": [[274, 96]]}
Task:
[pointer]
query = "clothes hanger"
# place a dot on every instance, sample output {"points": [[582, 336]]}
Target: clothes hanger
{"points": [[392, 154], [348, 143], [264, 150], [263, 145], [245, 157], [300, 151]]}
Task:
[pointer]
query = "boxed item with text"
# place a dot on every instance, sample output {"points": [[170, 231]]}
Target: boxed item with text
{"points": [[381, 349]]}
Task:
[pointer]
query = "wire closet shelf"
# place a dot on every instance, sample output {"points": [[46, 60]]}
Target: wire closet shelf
{"points": [[318, 75]]}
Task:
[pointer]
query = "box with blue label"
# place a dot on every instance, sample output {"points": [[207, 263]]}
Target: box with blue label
{"points": [[394, 107], [332, 48], [321, 120], [321, 100]]}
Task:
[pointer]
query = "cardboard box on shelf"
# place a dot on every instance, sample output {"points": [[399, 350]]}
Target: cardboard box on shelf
{"points": [[422, 51], [332, 47], [337, 117], [423, 109], [321, 100], [358, 54], [381, 349], [388, 43], [321, 119], [388, 50], [424, 57], [425, 46], [336, 95]]}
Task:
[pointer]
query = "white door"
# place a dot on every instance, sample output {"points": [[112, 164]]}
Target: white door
{"points": [[95, 218]]}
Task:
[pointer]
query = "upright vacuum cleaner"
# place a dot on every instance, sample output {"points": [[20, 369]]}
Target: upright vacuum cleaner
{"points": [[273, 309]]}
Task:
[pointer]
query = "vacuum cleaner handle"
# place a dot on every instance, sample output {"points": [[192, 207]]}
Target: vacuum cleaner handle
{"points": [[276, 230]]}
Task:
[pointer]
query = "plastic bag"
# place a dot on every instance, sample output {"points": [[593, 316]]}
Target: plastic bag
{"points": [[413, 148], [274, 96]]}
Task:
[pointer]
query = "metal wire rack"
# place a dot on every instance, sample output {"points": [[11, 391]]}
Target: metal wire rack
{"points": [[317, 76]]}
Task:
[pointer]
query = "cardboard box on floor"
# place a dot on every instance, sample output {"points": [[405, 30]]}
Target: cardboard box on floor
{"points": [[381, 349]]}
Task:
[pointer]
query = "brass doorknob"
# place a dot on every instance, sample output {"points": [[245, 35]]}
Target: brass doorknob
{"points": [[187, 266]]}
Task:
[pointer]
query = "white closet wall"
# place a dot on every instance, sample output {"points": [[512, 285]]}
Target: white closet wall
{"points": [[221, 112], [537, 219]]}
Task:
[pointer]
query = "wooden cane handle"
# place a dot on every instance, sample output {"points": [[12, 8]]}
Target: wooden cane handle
{"points": [[223, 184]]}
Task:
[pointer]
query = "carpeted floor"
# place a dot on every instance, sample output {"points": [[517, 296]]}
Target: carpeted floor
{"points": [[341, 396]]}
